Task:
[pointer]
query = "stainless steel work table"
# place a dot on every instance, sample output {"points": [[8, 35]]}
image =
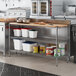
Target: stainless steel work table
{"points": [[47, 25]]}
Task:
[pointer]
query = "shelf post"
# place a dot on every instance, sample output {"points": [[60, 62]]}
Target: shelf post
{"points": [[68, 58], [56, 46], [9, 40]]}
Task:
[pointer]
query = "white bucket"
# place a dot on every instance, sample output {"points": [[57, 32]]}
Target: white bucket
{"points": [[25, 32], [28, 46], [17, 44], [17, 32], [33, 34]]}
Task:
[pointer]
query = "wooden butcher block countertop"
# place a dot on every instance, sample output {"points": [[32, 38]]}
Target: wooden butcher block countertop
{"points": [[41, 22], [7, 19], [46, 25]]}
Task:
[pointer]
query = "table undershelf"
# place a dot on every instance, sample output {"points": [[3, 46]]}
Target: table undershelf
{"points": [[39, 39], [34, 54]]}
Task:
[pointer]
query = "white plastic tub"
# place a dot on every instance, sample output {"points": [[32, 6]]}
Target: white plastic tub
{"points": [[33, 34], [28, 46], [25, 32], [17, 31], [17, 44]]}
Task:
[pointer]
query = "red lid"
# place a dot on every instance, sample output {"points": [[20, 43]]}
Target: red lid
{"points": [[26, 28], [17, 28]]}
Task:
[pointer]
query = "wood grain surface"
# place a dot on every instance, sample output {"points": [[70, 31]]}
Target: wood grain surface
{"points": [[46, 25]]}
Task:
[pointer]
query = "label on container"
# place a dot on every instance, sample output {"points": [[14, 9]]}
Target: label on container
{"points": [[49, 51]]}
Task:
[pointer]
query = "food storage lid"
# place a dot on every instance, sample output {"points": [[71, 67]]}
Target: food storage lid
{"points": [[17, 28], [17, 39], [32, 30], [29, 42]]}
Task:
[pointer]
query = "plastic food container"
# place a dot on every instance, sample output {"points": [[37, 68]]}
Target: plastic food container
{"points": [[17, 31], [33, 33], [17, 44], [25, 32], [28, 46]]}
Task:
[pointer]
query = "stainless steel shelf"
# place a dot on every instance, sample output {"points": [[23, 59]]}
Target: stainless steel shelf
{"points": [[36, 54], [33, 54], [39, 39]]}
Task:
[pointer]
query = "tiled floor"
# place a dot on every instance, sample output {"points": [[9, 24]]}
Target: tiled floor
{"points": [[11, 70], [42, 64]]}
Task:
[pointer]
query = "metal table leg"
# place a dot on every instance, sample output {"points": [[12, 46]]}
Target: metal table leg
{"points": [[9, 41], [68, 57], [4, 50], [57, 46]]}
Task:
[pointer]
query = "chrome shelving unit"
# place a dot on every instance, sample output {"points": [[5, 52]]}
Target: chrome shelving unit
{"points": [[42, 40]]}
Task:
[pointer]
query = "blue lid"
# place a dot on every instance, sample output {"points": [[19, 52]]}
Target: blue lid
{"points": [[29, 42], [17, 39]]}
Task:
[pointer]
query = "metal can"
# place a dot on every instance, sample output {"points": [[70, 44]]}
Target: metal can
{"points": [[57, 52], [42, 49], [35, 49], [50, 50]]}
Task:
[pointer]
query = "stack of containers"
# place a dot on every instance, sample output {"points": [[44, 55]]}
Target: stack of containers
{"points": [[28, 32], [62, 48], [24, 32], [17, 42], [60, 51]]}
